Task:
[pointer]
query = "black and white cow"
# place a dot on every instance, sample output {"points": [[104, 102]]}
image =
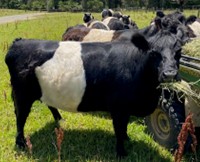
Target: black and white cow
{"points": [[115, 24], [90, 22], [74, 76], [96, 24], [106, 13], [193, 24], [117, 14]]}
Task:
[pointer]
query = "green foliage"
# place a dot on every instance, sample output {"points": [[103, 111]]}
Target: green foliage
{"points": [[69, 6], [95, 5], [38, 5], [14, 4]]}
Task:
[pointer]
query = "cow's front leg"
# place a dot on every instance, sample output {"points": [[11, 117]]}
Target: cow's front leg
{"points": [[120, 122]]}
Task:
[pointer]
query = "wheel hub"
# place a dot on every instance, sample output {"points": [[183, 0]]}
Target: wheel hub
{"points": [[161, 124]]}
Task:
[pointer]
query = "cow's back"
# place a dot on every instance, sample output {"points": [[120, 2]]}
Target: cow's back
{"points": [[24, 55]]}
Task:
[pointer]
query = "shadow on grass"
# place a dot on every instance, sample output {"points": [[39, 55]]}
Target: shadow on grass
{"points": [[87, 145]]}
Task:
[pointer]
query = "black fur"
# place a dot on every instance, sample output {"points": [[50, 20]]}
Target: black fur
{"points": [[116, 24]]}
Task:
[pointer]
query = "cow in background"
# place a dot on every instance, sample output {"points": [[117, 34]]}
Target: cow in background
{"points": [[94, 35], [126, 19], [193, 24], [106, 13], [90, 22], [115, 24], [87, 17]]}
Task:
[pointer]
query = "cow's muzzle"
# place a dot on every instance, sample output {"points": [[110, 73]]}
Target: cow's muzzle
{"points": [[170, 76]]}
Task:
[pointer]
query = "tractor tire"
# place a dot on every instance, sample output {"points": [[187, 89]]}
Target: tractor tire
{"points": [[166, 121]]}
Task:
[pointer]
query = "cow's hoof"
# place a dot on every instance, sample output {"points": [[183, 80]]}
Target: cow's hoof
{"points": [[121, 154], [127, 138], [21, 143]]}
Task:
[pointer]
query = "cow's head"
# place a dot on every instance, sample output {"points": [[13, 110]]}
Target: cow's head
{"points": [[87, 17], [167, 46], [176, 27], [126, 19]]}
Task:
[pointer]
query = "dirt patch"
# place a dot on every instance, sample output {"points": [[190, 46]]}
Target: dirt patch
{"points": [[13, 18]]}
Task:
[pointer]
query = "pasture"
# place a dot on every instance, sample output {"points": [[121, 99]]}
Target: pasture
{"points": [[87, 136]]}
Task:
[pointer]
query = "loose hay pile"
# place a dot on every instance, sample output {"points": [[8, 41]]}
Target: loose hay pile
{"points": [[183, 89], [192, 48]]}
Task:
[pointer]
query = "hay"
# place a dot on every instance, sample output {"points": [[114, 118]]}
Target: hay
{"points": [[192, 48], [183, 89]]}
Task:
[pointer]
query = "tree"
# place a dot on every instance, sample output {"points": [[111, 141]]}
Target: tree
{"points": [[181, 3], [84, 4], [14, 4], [38, 5], [95, 5]]}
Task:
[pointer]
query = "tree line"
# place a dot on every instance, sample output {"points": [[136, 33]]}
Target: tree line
{"points": [[94, 5]]}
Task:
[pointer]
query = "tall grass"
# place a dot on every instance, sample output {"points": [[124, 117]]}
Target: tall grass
{"points": [[87, 137]]}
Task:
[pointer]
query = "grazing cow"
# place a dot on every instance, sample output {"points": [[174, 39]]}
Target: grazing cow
{"points": [[79, 76], [115, 24], [127, 20]]}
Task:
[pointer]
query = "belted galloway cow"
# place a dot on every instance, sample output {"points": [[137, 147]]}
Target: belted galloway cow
{"points": [[82, 76]]}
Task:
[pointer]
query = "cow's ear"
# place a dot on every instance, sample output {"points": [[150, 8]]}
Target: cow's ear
{"points": [[140, 42], [128, 16]]}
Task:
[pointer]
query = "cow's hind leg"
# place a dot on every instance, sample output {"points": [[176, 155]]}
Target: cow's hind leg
{"points": [[55, 113], [120, 122], [22, 105]]}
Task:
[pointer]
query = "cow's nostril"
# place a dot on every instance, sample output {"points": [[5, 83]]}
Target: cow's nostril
{"points": [[170, 75]]}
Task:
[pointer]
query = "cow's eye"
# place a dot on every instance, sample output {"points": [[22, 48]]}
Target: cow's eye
{"points": [[155, 54]]}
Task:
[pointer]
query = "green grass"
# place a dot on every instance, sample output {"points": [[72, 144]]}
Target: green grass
{"points": [[87, 137]]}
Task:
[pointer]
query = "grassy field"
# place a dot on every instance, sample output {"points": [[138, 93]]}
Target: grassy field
{"points": [[87, 137]]}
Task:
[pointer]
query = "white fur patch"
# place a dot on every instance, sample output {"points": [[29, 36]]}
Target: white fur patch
{"points": [[99, 35], [94, 22], [195, 26], [107, 20], [62, 78]]}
